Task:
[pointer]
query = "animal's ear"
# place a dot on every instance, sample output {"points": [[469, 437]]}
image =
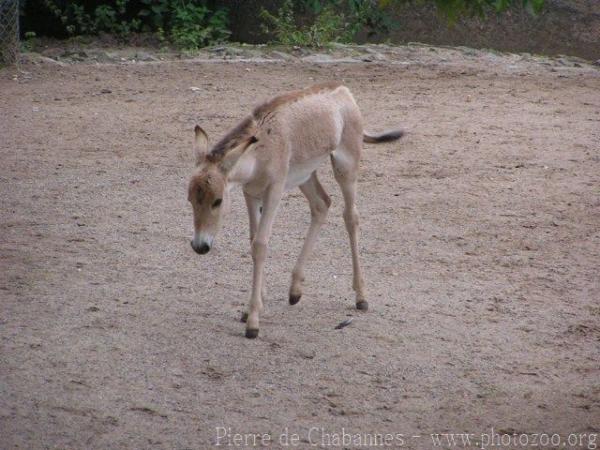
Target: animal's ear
{"points": [[200, 144], [231, 157]]}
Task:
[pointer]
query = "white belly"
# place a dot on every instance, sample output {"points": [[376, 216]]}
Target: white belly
{"points": [[300, 173]]}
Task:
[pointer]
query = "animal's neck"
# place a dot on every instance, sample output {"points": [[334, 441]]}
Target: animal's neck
{"points": [[243, 171]]}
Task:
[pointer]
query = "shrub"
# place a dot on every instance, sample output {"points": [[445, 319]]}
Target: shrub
{"points": [[189, 24], [194, 26], [195, 23], [329, 21], [328, 26]]}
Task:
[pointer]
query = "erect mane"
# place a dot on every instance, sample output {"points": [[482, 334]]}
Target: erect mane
{"points": [[271, 105], [247, 127], [242, 131]]}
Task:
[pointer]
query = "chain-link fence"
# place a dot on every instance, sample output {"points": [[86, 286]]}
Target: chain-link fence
{"points": [[9, 31]]}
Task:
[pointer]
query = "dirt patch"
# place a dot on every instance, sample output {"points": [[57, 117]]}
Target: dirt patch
{"points": [[480, 242]]}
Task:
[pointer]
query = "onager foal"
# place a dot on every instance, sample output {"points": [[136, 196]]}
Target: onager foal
{"points": [[278, 147]]}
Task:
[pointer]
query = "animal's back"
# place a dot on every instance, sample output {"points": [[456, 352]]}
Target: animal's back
{"points": [[312, 121], [309, 125]]}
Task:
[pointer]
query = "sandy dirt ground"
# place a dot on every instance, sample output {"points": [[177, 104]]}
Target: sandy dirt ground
{"points": [[480, 245]]}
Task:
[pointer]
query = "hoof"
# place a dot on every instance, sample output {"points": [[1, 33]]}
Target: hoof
{"points": [[363, 305], [244, 317], [251, 334], [294, 299]]}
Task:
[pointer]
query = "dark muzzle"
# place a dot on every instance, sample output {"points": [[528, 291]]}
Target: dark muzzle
{"points": [[201, 249]]}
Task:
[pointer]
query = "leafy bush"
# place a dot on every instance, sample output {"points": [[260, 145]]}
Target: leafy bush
{"points": [[328, 21], [29, 43], [187, 23], [194, 26], [112, 20], [328, 26], [104, 18], [370, 16], [194, 23]]}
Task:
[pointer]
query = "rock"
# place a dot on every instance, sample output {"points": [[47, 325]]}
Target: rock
{"points": [[281, 55], [234, 51], [36, 58], [102, 57], [467, 51], [343, 324], [75, 55], [144, 56], [301, 51], [52, 52], [378, 57], [317, 58]]}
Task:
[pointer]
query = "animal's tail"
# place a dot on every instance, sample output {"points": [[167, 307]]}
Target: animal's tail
{"points": [[386, 136]]}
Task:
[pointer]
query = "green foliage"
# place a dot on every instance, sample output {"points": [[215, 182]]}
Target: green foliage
{"points": [[104, 18], [341, 20], [194, 26], [112, 20], [191, 24], [370, 16], [188, 24], [30, 41], [155, 13], [328, 21], [327, 26]]}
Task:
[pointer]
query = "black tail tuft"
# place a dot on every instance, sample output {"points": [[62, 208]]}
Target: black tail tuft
{"points": [[387, 136]]}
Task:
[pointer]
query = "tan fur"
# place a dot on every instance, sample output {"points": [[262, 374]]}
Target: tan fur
{"points": [[248, 127], [269, 107], [280, 147]]}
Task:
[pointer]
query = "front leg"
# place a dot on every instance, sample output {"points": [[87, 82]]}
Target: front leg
{"points": [[260, 242], [254, 206], [319, 203]]}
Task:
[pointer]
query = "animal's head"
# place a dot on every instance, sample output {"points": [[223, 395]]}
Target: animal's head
{"points": [[208, 190]]}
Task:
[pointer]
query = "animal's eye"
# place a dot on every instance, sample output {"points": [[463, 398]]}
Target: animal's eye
{"points": [[217, 203]]}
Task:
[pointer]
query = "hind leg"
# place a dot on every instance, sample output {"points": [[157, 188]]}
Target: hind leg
{"points": [[319, 203], [345, 168]]}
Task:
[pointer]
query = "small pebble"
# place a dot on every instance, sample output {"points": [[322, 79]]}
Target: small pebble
{"points": [[343, 324]]}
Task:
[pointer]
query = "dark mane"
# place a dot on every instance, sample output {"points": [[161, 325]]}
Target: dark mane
{"points": [[234, 137], [271, 105], [246, 128]]}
